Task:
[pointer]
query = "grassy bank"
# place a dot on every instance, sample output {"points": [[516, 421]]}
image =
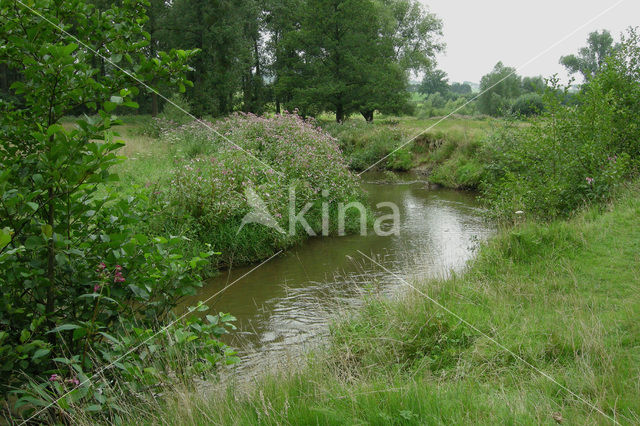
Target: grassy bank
{"points": [[447, 153], [563, 296]]}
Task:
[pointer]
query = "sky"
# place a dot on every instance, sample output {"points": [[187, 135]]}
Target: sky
{"points": [[479, 33]]}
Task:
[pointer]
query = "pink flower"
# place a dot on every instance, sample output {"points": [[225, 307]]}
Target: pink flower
{"points": [[73, 381], [118, 278], [96, 288], [101, 267], [54, 378], [590, 180]]}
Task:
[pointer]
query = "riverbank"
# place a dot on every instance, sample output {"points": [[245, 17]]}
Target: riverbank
{"points": [[562, 296], [447, 152], [168, 168], [236, 185]]}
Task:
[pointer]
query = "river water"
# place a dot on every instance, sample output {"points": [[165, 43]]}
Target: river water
{"points": [[286, 305]]}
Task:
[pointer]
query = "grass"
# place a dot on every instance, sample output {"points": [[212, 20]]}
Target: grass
{"points": [[561, 295], [447, 153]]}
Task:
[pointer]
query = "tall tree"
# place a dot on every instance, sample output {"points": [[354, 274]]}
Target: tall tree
{"points": [[281, 19], [408, 43], [498, 89], [337, 39], [434, 81], [590, 58], [349, 56], [226, 34]]}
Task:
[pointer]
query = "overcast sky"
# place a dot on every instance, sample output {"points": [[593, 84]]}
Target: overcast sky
{"points": [[478, 34]]}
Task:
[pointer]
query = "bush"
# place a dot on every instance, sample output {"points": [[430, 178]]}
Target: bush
{"points": [[82, 295], [207, 194], [572, 155], [365, 144], [528, 104]]}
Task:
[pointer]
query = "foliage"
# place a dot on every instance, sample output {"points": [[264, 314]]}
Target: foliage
{"points": [[435, 81], [206, 193], [572, 155], [498, 88], [461, 88], [354, 55], [590, 59], [73, 268], [528, 104]]}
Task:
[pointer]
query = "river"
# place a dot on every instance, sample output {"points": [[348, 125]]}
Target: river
{"points": [[286, 305]]}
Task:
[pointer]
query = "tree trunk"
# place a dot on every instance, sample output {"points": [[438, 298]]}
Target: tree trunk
{"points": [[154, 104], [340, 113], [368, 115], [277, 106]]}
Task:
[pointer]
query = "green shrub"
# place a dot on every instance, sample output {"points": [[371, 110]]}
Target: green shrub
{"points": [[205, 197], [528, 104]]}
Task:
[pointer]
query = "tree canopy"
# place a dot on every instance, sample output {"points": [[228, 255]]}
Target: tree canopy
{"points": [[590, 58]]}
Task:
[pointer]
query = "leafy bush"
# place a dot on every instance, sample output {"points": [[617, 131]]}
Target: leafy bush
{"points": [[80, 290], [364, 144], [206, 196], [572, 155], [528, 104]]}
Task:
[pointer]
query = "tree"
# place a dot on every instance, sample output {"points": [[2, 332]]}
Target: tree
{"points": [[434, 81], [281, 19], [460, 88], [336, 43], [349, 56], [528, 104], [228, 34], [590, 58], [498, 89], [72, 267], [533, 84]]}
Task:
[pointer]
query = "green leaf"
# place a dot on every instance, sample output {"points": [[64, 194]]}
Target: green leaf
{"points": [[64, 327], [47, 230], [109, 106], [70, 48], [5, 237], [40, 353], [33, 205]]}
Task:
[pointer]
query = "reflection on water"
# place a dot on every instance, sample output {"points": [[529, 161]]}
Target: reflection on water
{"points": [[283, 305]]}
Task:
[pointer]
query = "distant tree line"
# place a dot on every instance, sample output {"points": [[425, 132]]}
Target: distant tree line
{"points": [[503, 91], [342, 56]]}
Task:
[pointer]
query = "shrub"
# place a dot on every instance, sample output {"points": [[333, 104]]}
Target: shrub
{"points": [[208, 190], [528, 104], [79, 289], [365, 144], [572, 155]]}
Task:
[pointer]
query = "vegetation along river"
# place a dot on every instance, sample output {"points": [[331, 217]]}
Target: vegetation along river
{"points": [[288, 303]]}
